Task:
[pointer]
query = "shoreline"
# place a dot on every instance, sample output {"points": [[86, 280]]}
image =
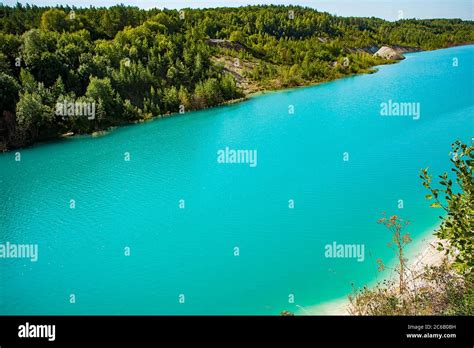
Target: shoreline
{"points": [[423, 253], [106, 131], [247, 97]]}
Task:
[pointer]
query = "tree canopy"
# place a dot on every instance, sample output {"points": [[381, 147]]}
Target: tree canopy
{"points": [[136, 64]]}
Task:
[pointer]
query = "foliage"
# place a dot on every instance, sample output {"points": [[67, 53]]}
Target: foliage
{"points": [[456, 198], [436, 290], [445, 289], [8, 92], [155, 62], [395, 225], [31, 113]]}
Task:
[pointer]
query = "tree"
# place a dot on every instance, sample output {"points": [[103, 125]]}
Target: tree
{"points": [[9, 88], [184, 98], [456, 198], [54, 20], [32, 114], [199, 97], [395, 225], [28, 82], [130, 112], [237, 36], [171, 99], [229, 87], [33, 46], [38, 54], [101, 90], [4, 64], [212, 91]]}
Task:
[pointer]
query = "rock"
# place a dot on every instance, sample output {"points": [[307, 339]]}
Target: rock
{"points": [[232, 45], [371, 49], [386, 52], [100, 133]]}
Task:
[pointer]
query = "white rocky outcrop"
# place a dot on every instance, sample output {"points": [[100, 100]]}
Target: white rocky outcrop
{"points": [[387, 52]]}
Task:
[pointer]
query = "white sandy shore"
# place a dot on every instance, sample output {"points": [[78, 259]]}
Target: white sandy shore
{"points": [[334, 307], [422, 253]]}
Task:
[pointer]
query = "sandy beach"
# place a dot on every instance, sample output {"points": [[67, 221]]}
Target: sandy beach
{"points": [[422, 253]]}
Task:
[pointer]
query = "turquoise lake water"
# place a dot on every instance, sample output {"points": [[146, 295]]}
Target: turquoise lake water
{"points": [[190, 251]]}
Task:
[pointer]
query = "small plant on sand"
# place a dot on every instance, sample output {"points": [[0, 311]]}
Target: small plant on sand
{"points": [[399, 241], [444, 289], [387, 297]]}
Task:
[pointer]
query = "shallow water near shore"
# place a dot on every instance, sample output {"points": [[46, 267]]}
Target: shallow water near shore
{"points": [[136, 204]]}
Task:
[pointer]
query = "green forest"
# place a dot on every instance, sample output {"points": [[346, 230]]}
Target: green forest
{"points": [[134, 64]]}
